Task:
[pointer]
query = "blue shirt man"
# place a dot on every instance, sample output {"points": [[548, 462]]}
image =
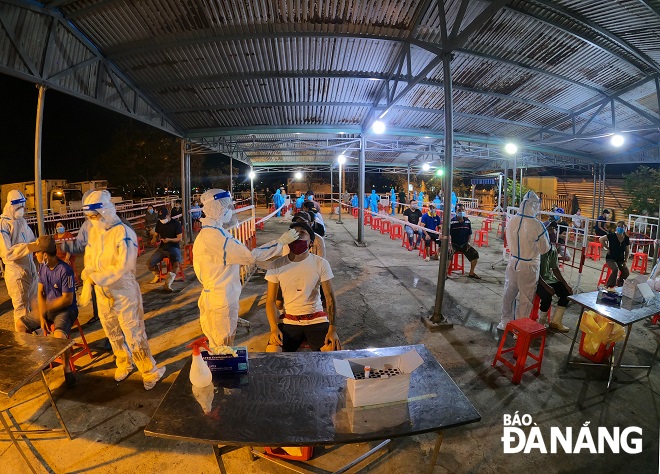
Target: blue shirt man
{"points": [[431, 221]]}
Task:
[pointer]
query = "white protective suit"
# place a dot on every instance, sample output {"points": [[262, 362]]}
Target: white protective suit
{"points": [[217, 260], [527, 239], [110, 258], [20, 272]]}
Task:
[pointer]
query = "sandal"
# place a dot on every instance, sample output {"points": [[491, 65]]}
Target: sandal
{"points": [[474, 275]]}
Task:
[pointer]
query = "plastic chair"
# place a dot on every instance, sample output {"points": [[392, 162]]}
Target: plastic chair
{"points": [[433, 250], [78, 350], [640, 262], [376, 222], [454, 266], [500, 229], [534, 315], [481, 238], [355, 212], [165, 267], [527, 331], [602, 280], [396, 232], [367, 218], [385, 226], [486, 225]]}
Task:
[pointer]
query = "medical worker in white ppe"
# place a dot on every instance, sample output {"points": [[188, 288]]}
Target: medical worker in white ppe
{"points": [[16, 247], [217, 260], [110, 269], [527, 240]]}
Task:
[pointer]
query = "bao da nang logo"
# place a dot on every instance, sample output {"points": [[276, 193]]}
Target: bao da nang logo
{"points": [[522, 435]]}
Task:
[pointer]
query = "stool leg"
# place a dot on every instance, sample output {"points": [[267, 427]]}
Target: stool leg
{"points": [[538, 371]]}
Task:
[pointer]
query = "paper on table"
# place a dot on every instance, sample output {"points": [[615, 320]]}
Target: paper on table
{"points": [[646, 291]]}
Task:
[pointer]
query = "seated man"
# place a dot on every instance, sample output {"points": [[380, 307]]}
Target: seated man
{"points": [[57, 300], [431, 221], [413, 215], [551, 282], [300, 274], [460, 229], [169, 231], [150, 221]]}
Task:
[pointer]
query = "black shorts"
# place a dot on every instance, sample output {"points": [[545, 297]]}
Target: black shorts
{"points": [[62, 320], [467, 250], [293, 336]]}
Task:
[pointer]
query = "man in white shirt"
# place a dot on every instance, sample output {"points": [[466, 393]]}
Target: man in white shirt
{"points": [[300, 275]]}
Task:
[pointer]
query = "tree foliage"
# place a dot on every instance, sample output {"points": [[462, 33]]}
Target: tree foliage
{"points": [[643, 185]]}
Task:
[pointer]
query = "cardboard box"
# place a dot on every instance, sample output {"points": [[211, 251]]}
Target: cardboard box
{"points": [[226, 363], [389, 382], [630, 288], [364, 420]]}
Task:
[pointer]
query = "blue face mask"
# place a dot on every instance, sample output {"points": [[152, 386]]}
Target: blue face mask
{"points": [[620, 230], [460, 214], [60, 230], [310, 198], [151, 211]]}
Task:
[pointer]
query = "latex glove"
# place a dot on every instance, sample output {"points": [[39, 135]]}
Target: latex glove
{"points": [[86, 293], [223, 350], [289, 236]]}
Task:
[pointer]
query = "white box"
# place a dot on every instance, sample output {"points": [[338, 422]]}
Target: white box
{"points": [[375, 391], [631, 290]]}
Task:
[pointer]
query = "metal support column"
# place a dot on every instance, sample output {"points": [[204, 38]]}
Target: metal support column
{"points": [[593, 199], [513, 187], [505, 202], [604, 188], [361, 204], [332, 188], [437, 320], [520, 196], [231, 176], [38, 195], [408, 188], [340, 195], [185, 200]]}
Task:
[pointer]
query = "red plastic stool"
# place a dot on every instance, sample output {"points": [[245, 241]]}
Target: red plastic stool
{"points": [[78, 350], [526, 330], [367, 218], [601, 355], [534, 315], [385, 226], [355, 212], [500, 229], [396, 232], [140, 246], [481, 238], [259, 225], [454, 266], [602, 280], [405, 243], [306, 453], [593, 251], [188, 254], [640, 261], [375, 223], [433, 250], [168, 268], [486, 225]]}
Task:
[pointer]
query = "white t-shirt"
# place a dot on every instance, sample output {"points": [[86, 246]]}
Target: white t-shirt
{"points": [[300, 283]]}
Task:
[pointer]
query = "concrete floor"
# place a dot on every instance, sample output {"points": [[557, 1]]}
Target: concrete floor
{"points": [[382, 292]]}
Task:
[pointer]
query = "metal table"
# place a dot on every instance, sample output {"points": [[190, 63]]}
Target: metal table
{"points": [[628, 314], [22, 357], [297, 399]]}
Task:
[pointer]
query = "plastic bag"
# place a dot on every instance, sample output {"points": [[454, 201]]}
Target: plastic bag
{"points": [[599, 330]]}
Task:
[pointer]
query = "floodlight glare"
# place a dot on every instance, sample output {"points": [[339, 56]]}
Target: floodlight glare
{"points": [[252, 175], [510, 148], [426, 167], [440, 172], [378, 127], [298, 175], [617, 140], [341, 159]]}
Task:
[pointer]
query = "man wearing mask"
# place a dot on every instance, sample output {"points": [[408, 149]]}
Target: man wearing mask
{"points": [[600, 229], [170, 232], [177, 211], [413, 215], [16, 247], [617, 245], [300, 275], [431, 221], [551, 282], [150, 221], [460, 229], [110, 258], [528, 240], [218, 258]]}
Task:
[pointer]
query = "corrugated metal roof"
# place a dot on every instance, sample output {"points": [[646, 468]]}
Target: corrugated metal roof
{"points": [[534, 70]]}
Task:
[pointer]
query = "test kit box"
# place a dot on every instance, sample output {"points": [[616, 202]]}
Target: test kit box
{"points": [[226, 363], [389, 379]]}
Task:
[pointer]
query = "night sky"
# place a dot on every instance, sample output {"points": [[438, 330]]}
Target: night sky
{"points": [[75, 134]]}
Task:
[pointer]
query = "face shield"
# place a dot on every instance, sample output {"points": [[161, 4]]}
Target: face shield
{"points": [[15, 207], [98, 207], [218, 207], [530, 205]]}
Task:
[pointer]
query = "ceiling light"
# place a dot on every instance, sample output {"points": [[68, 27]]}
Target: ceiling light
{"points": [[298, 175], [252, 175], [511, 148], [378, 127], [426, 167], [617, 140], [440, 172], [341, 159]]}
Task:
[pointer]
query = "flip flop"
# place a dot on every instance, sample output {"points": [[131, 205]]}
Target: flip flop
{"points": [[475, 276]]}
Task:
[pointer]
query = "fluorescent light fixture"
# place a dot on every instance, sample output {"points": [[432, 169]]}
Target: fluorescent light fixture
{"points": [[617, 140], [378, 127], [511, 148], [341, 159], [426, 167]]}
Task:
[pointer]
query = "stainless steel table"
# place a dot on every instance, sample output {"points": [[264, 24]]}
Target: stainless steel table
{"points": [[23, 357], [628, 314], [297, 399]]}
